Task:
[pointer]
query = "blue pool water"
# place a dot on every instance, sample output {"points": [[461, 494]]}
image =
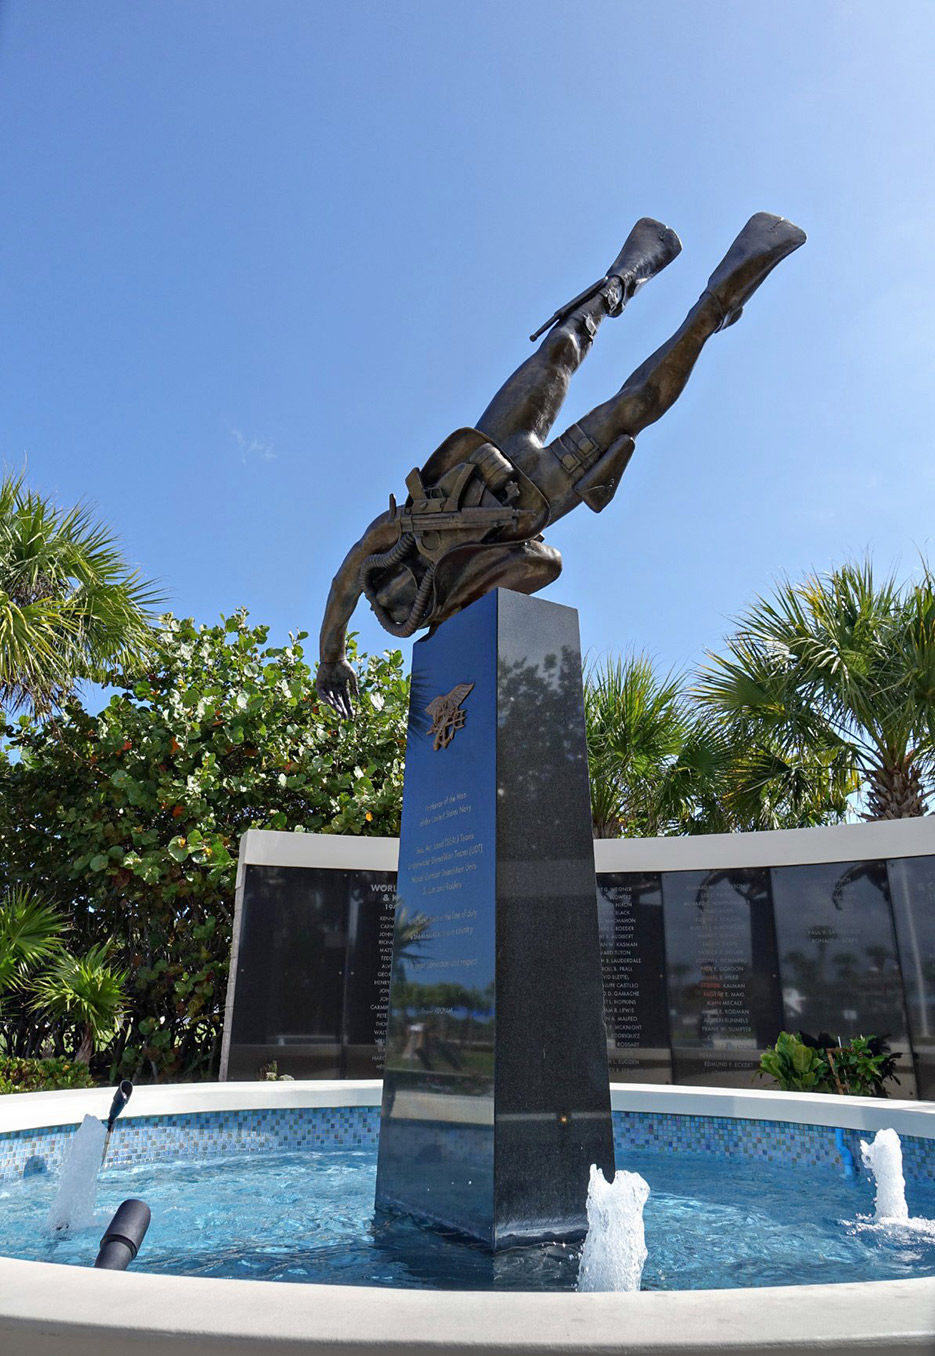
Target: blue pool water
{"points": [[308, 1217]]}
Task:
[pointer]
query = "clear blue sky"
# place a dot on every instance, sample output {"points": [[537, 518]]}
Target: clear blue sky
{"points": [[258, 259]]}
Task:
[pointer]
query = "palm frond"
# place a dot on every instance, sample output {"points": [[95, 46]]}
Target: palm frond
{"points": [[30, 932], [84, 990], [637, 723], [838, 661], [70, 608]]}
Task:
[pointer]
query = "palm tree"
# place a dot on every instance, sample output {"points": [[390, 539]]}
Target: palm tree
{"points": [[70, 608], [835, 678], [86, 992], [732, 777], [29, 934], [637, 726], [662, 764]]}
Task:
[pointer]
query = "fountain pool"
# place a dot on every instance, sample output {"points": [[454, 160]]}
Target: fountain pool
{"points": [[46, 1307]]}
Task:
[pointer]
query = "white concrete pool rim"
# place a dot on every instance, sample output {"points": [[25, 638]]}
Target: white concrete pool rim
{"points": [[46, 1309]]}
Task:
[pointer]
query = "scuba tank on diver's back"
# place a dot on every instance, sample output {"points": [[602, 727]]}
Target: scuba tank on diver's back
{"points": [[468, 496]]}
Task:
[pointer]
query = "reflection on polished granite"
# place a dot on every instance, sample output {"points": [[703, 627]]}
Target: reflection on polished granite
{"points": [[496, 1099]]}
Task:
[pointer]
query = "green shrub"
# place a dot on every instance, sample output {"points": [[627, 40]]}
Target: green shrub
{"points": [[795, 1066], [804, 1063], [128, 819], [42, 1075], [47, 984], [861, 1067]]}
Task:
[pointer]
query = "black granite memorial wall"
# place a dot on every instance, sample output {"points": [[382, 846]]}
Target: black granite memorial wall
{"points": [[312, 975], [912, 887], [495, 1095], [633, 961], [837, 954], [691, 993], [723, 980]]}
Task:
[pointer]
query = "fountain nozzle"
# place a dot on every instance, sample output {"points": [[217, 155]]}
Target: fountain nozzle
{"points": [[123, 1236], [121, 1097]]}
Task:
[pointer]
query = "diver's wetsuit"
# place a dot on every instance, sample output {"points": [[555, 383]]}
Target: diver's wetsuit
{"points": [[476, 511]]}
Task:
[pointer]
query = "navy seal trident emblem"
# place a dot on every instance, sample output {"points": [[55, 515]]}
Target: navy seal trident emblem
{"points": [[447, 716]]}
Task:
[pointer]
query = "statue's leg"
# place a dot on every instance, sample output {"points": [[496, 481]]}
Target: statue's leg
{"points": [[659, 381], [527, 404], [529, 401]]}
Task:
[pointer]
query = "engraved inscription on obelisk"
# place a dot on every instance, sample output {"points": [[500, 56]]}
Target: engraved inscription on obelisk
{"points": [[496, 1094]]}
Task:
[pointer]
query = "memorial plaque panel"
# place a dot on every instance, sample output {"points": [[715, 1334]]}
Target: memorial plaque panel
{"points": [[837, 949], [307, 989], [837, 954], [633, 961], [912, 888], [496, 1096], [724, 995], [371, 910]]}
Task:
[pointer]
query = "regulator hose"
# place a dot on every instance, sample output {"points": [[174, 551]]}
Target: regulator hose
{"points": [[382, 561]]}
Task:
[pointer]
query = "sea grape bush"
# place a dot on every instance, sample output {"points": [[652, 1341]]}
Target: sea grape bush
{"points": [[42, 1075], [128, 820]]}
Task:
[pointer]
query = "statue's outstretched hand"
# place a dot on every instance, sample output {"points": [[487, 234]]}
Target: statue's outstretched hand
{"points": [[336, 684]]}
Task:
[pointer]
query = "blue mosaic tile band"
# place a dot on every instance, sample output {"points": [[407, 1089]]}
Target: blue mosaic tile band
{"points": [[211, 1134], [204, 1134], [789, 1145]]}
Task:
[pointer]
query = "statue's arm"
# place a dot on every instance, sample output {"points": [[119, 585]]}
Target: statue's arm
{"points": [[336, 681]]}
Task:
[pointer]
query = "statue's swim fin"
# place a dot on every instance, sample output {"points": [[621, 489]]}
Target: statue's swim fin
{"points": [[646, 251], [761, 245]]}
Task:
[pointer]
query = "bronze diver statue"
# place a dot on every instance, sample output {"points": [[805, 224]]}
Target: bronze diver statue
{"points": [[475, 512]]}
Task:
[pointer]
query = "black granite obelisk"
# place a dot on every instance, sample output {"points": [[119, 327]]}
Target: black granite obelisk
{"points": [[496, 1095]]}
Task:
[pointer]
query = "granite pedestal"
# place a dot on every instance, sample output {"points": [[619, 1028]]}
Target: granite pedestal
{"points": [[496, 1099]]}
